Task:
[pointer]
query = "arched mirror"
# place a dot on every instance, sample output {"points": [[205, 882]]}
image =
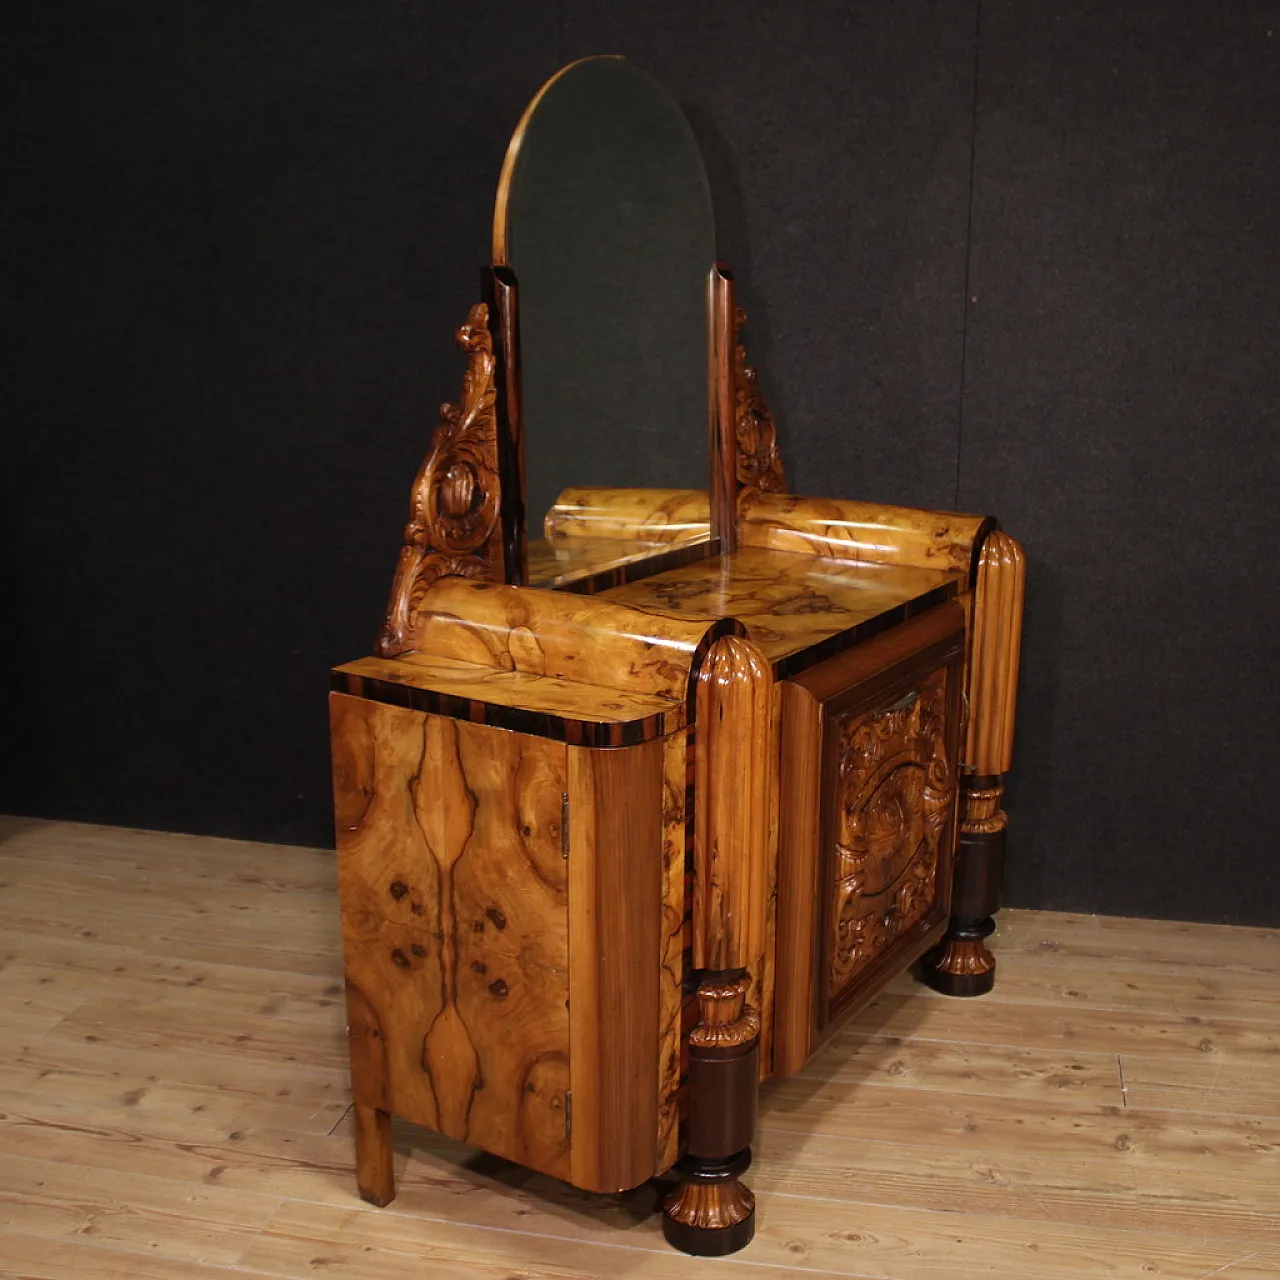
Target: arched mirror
{"points": [[604, 223]]}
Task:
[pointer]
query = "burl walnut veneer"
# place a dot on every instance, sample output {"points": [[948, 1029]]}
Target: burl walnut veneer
{"points": [[630, 817]]}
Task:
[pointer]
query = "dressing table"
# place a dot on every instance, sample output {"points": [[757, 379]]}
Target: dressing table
{"points": [[658, 772]]}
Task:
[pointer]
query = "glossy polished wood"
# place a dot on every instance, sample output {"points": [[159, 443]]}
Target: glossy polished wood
{"points": [[590, 566], [615, 950], [732, 771], [993, 668], [797, 608], [640, 515], [589, 640], [865, 532], [546, 706], [455, 927]]}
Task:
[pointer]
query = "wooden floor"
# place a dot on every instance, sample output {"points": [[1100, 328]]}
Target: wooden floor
{"points": [[173, 1102]]}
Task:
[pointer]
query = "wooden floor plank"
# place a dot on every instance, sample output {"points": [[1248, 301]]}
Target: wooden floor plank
{"points": [[136, 1212], [173, 1102], [26, 1257]]}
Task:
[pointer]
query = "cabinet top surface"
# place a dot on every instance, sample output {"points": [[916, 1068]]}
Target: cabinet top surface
{"points": [[789, 602]]}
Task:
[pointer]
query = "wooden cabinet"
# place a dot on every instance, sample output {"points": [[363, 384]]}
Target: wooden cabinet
{"points": [[869, 772], [631, 815]]}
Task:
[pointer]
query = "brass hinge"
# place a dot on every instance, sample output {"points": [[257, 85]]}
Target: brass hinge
{"points": [[568, 1113], [564, 824]]}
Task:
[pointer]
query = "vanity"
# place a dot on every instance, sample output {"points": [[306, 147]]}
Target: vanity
{"points": [[658, 771]]}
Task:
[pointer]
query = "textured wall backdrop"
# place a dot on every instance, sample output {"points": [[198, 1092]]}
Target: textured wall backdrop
{"points": [[1018, 258]]}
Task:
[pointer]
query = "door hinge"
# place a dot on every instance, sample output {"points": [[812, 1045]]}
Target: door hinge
{"points": [[564, 824], [568, 1114]]}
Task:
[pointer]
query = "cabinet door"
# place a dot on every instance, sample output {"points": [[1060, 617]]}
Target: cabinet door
{"points": [[867, 822], [454, 895]]}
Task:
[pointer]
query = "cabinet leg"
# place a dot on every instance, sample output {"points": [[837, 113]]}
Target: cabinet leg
{"points": [[961, 964], [711, 1212], [375, 1170]]}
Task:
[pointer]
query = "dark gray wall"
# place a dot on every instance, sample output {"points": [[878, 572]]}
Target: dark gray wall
{"points": [[1017, 258]]}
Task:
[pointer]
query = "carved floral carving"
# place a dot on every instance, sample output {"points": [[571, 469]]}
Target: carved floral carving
{"points": [[725, 1020], [894, 797], [453, 506], [759, 464]]}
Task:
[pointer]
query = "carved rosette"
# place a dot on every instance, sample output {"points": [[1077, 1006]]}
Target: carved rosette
{"points": [[759, 464], [725, 1020], [895, 792], [453, 506], [982, 812]]}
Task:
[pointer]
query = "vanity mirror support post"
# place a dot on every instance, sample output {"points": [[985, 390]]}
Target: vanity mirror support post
{"points": [[962, 964], [711, 1212], [500, 292], [721, 446]]}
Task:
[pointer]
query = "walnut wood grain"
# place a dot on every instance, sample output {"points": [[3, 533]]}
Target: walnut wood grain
{"points": [[733, 770], [993, 665], [375, 1168], [675, 761], [821, 802], [454, 897], [798, 608], [588, 566], [456, 495], [644, 515], [865, 532], [545, 706], [589, 640], [616, 948]]}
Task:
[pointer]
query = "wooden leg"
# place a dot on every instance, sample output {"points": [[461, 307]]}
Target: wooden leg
{"points": [[375, 1171], [711, 1213], [961, 964]]}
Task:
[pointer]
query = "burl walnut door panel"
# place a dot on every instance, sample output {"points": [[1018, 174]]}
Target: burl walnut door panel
{"points": [[454, 891], [867, 822]]}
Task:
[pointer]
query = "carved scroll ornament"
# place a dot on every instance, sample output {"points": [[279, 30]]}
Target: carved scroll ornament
{"points": [[759, 464], [453, 506], [895, 793]]}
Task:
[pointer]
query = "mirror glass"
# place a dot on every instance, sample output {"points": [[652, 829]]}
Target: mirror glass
{"points": [[604, 215]]}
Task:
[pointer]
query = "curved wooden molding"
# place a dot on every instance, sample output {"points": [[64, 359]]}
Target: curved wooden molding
{"points": [[454, 503], [643, 515], [732, 769], [867, 532], [993, 663], [585, 639]]}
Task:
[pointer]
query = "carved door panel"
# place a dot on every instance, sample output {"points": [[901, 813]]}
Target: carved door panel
{"points": [[867, 823], [889, 796]]}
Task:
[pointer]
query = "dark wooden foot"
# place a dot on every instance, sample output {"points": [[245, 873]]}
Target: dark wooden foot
{"points": [[711, 1213], [375, 1169], [961, 964]]}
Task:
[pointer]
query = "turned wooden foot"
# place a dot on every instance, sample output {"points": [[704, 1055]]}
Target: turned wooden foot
{"points": [[375, 1170], [961, 964], [711, 1213]]}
